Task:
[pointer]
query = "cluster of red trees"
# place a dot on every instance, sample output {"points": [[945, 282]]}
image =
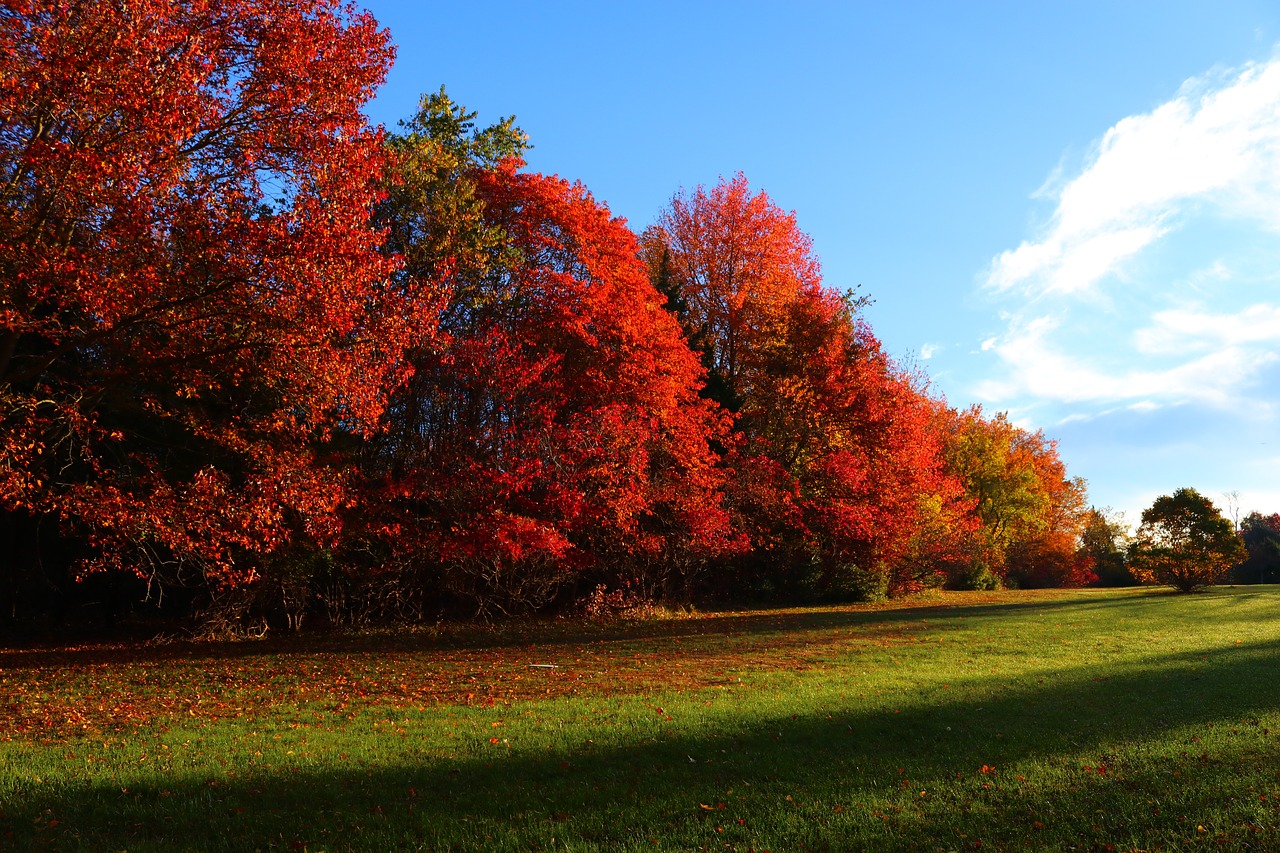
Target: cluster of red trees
{"points": [[251, 346]]}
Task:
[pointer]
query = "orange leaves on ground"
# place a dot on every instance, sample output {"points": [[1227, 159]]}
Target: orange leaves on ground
{"points": [[103, 690]]}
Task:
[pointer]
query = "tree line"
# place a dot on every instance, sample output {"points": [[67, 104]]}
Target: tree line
{"points": [[1184, 541], [262, 361]]}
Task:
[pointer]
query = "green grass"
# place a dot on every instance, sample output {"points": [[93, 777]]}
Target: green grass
{"points": [[1093, 720]]}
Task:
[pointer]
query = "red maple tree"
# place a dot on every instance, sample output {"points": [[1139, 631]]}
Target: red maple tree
{"points": [[190, 292], [835, 435], [552, 436]]}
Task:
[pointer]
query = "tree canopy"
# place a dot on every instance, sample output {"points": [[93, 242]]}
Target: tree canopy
{"points": [[552, 423], [1185, 542], [256, 350], [191, 295], [1261, 537]]}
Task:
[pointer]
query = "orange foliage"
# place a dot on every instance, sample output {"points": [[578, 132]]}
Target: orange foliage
{"points": [[740, 262], [1028, 515]]}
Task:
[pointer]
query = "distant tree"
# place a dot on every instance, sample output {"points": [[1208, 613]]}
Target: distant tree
{"points": [[1232, 500], [1105, 539], [1184, 542], [1261, 535]]}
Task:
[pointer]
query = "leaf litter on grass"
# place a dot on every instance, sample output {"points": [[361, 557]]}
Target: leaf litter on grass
{"points": [[54, 692]]}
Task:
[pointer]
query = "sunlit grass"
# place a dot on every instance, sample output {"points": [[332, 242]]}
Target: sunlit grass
{"points": [[1015, 721]]}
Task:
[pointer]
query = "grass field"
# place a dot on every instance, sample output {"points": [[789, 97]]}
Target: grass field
{"points": [[1086, 720]]}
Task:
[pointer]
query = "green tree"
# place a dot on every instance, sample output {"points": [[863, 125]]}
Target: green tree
{"points": [[1184, 542]]}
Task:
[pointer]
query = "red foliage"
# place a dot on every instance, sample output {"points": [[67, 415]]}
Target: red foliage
{"points": [[852, 456], [186, 269], [739, 261], [200, 330], [873, 460], [557, 420]]}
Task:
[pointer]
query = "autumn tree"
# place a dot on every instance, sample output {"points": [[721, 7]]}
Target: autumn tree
{"points": [[1105, 539], [190, 292], [551, 436], [942, 545], [1184, 542], [735, 262], [854, 429], [1050, 555], [1029, 512], [1261, 536], [833, 452]]}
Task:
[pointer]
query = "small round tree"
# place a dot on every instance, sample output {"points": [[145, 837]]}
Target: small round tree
{"points": [[1184, 542]]}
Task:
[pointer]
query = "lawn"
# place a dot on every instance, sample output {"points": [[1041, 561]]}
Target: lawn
{"points": [[1086, 720]]}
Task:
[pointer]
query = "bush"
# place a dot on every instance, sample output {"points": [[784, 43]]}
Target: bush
{"points": [[977, 575]]}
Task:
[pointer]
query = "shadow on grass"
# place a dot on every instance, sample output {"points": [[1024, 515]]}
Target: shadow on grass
{"points": [[845, 778], [550, 634], [122, 688]]}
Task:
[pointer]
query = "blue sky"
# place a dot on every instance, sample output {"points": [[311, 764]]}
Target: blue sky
{"points": [[1068, 211]]}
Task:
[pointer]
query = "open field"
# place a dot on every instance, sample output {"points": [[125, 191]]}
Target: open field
{"points": [[1087, 720]]}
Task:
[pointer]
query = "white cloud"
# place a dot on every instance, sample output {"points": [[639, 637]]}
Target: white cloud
{"points": [[928, 351], [1069, 264], [1217, 146], [1141, 407], [1038, 366], [1184, 330], [1154, 281]]}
